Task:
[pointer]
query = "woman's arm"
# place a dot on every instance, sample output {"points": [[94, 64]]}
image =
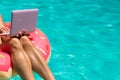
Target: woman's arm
{"points": [[1, 25], [3, 39]]}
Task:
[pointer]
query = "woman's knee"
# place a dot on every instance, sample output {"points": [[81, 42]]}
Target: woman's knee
{"points": [[15, 42], [25, 40]]}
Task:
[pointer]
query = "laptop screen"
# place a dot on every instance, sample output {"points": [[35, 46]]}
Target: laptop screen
{"points": [[23, 20]]}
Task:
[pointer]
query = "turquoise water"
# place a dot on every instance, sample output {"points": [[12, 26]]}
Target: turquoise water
{"points": [[84, 35]]}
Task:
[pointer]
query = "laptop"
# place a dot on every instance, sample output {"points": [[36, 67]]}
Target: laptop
{"points": [[23, 20]]}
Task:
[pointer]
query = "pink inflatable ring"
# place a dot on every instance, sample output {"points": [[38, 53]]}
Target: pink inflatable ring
{"points": [[38, 38]]}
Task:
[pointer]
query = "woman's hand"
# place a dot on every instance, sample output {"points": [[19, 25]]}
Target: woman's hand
{"points": [[3, 30], [4, 38]]}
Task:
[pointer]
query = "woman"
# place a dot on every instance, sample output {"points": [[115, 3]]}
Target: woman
{"points": [[25, 56]]}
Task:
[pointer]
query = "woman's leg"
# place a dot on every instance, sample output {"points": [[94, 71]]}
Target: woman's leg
{"points": [[38, 63], [20, 60]]}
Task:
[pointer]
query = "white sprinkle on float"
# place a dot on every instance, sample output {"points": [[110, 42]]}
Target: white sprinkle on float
{"points": [[36, 32], [42, 37], [33, 41], [37, 47], [42, 51]]}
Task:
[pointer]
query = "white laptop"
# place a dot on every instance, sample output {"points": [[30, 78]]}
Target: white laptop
{"points": [[23, 20]]}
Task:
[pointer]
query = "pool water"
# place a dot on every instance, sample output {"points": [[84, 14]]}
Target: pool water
{"points": [[84, 36]]}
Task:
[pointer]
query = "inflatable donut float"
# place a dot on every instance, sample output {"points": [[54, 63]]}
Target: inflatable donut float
{"points": [[39, 40]]}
